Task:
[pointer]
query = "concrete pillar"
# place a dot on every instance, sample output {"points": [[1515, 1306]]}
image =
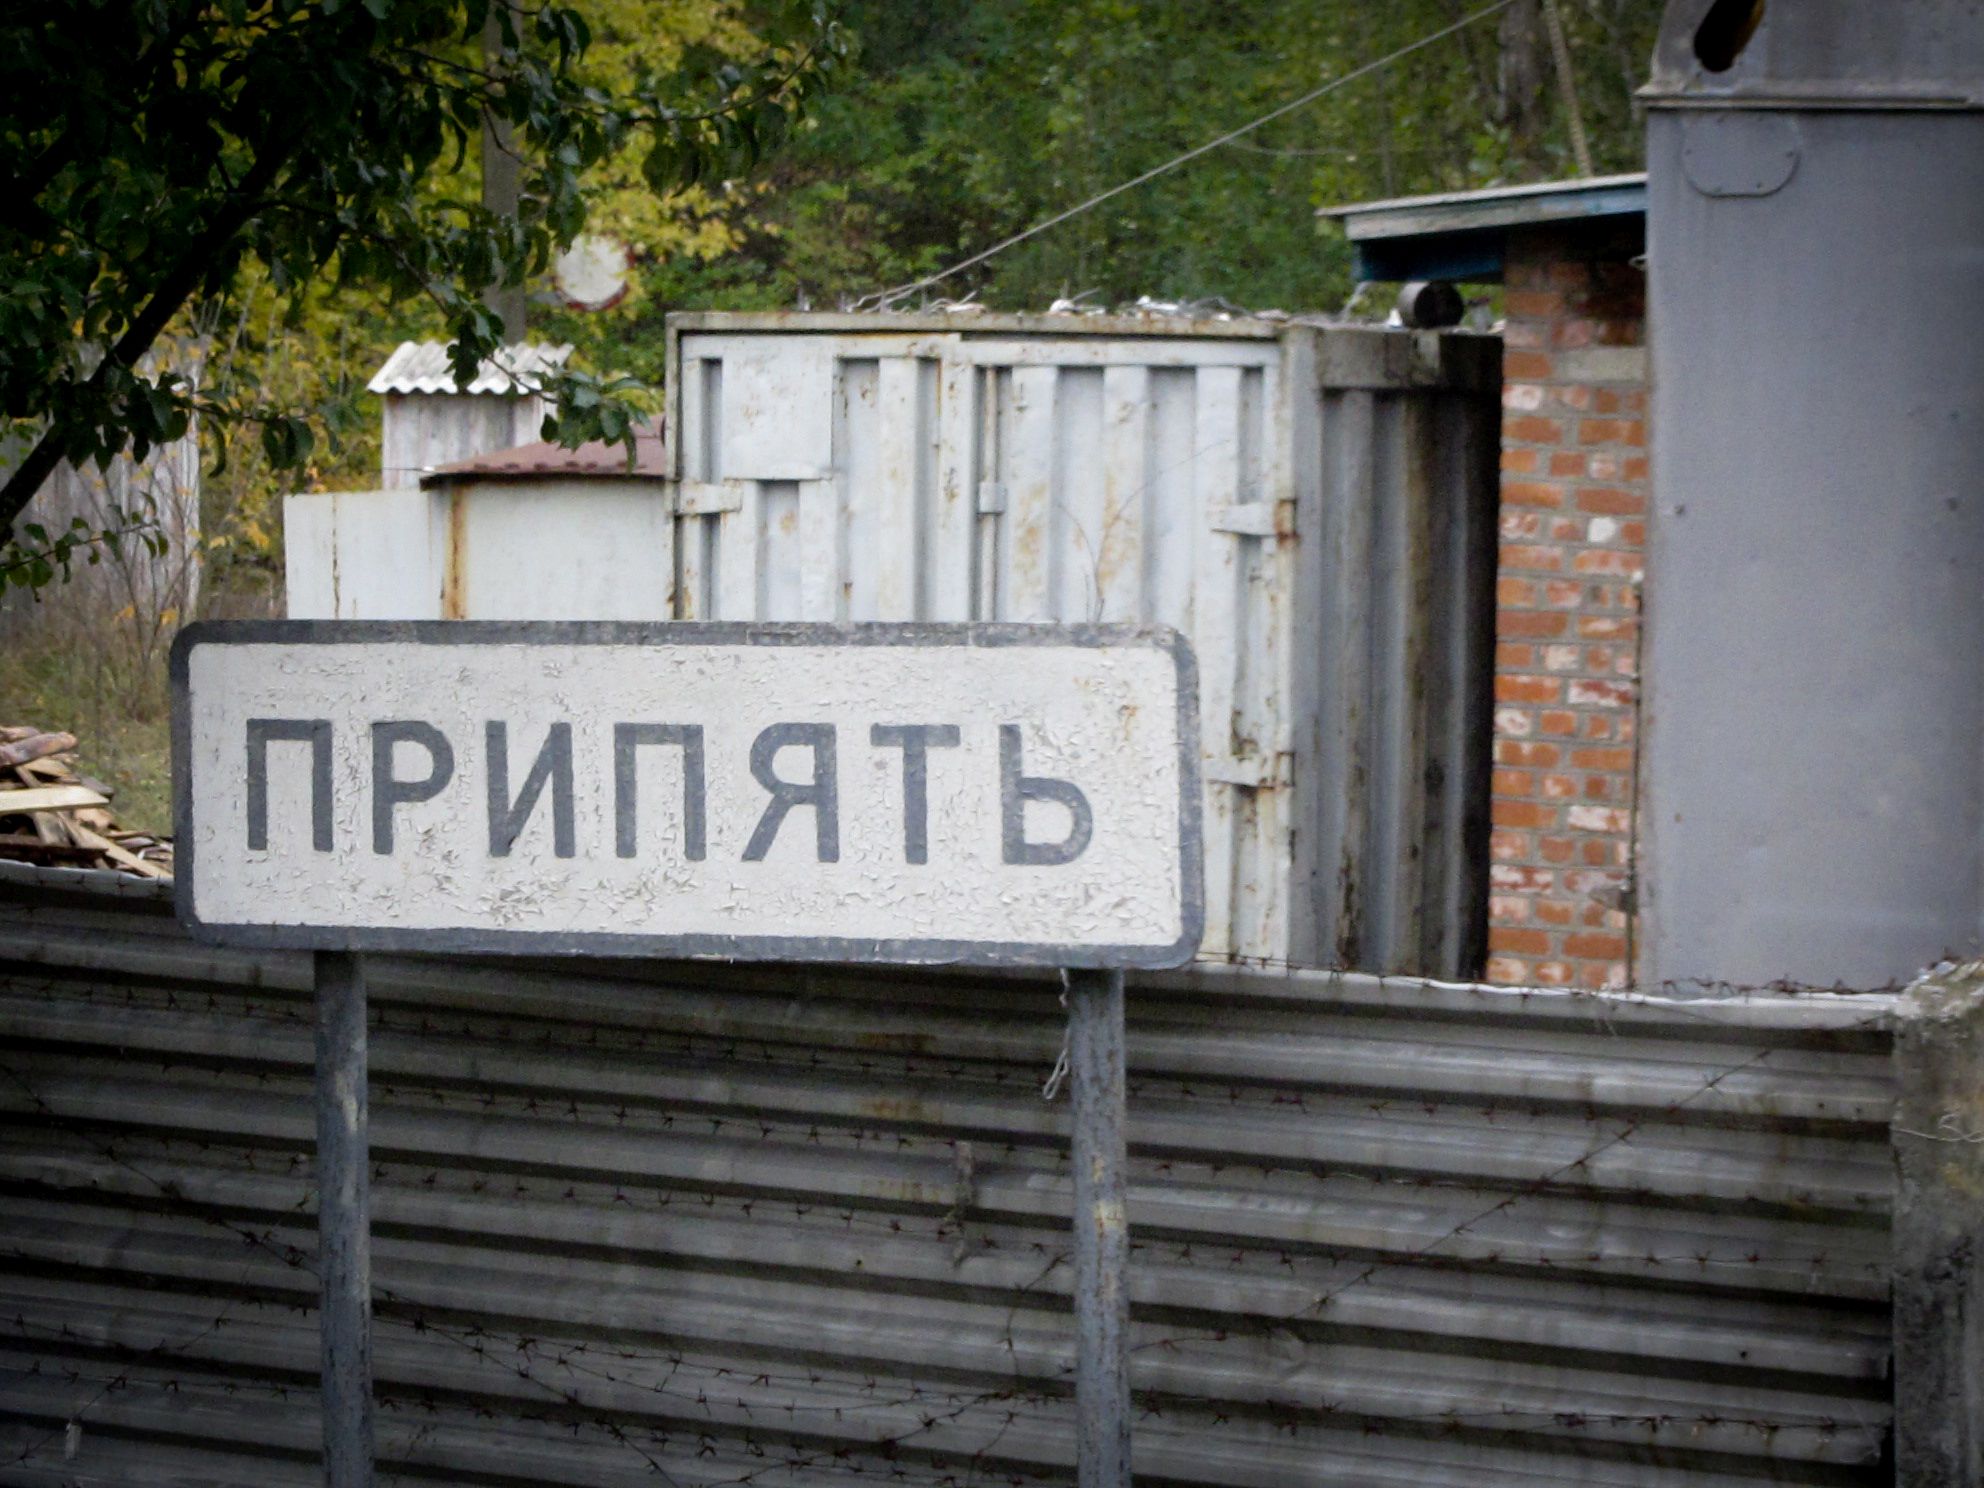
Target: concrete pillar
{"points": [[1939, 1231]]}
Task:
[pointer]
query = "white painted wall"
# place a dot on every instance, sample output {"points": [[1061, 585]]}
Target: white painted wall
{"points": [[591, 549], [483, 550], [364, 555]]}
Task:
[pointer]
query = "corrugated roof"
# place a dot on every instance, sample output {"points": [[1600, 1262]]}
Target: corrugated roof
{"points": [[1463, 235], [536, 461], [422, 367], [1496, 206]]}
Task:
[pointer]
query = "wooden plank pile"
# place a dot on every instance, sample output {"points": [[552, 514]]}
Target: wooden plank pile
{"points": [[52, 816]]}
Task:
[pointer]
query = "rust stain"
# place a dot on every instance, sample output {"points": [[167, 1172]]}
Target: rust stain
{"points": [[454, 577], [1027, 553], [884, 1108], [337, 583]]}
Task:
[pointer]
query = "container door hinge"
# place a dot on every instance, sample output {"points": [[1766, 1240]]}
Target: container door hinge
{"points": [[689, 498], [1256, 519], [1252, 772]]}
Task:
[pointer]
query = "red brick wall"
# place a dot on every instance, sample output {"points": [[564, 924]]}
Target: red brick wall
{"points": [[1574, 500]]}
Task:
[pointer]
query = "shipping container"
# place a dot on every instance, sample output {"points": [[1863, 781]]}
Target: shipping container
{"points": [[1313, 506]]}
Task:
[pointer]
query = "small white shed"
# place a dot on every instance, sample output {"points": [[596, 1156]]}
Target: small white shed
{"points": [[532, 533], [428, 421]]}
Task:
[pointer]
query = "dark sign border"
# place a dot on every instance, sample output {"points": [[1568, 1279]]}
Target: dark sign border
{"points": [[916, 635]]}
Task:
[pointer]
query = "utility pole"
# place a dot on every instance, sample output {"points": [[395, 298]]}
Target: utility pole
{"points": [[502, 179], [1520, 80]]}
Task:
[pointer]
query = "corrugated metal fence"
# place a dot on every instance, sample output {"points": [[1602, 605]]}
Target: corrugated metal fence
{"points": [[699, 1224]]}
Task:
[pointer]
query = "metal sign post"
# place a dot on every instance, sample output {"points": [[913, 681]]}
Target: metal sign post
{"points": [[979, 795], [344, 1221], [1102, 1229]]}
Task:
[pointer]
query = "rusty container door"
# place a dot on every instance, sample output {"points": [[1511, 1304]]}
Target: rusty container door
{"points": [[1312, 506]]}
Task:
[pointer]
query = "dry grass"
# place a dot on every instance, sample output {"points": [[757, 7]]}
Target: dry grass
{"points": [[89, 658], [106, 685]]}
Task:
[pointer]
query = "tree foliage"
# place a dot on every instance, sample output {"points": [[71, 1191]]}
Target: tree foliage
{"points": [[966, 122], [953, 126], [169, 156]]}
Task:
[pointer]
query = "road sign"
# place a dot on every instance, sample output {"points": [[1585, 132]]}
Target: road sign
{"points": [[975, 794], [983, 794]]}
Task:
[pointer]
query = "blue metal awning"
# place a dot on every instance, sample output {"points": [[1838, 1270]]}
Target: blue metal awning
{"points": [[1464, 234]]}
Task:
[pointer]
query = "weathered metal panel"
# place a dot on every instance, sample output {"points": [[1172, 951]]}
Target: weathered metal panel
{"points": [[1399, 845], [1810, 771], [365, 555], [1906, 54], [1939, 1228], [590, 549], [1305, 503], [428, 421], [800, 1227], [1211, 476], [423, 430]]}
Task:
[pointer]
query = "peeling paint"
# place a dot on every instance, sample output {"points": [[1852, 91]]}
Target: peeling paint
{"points": [[1104, 711]]}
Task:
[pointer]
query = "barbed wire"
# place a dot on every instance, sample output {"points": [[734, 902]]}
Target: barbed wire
{"points": [[800, 1417]]}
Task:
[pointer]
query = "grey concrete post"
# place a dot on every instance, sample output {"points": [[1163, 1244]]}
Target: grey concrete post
{"points": [[1939, 1231], [344, 1239], [1102, 1229]]}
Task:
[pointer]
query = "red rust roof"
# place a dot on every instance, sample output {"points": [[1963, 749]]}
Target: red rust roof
{"points": [[536, 461]]}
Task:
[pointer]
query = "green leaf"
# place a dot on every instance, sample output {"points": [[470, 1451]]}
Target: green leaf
{"points": [[293, 149]]}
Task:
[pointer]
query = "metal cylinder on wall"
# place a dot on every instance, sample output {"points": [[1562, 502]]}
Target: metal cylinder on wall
{"points": [[1811, 767]]}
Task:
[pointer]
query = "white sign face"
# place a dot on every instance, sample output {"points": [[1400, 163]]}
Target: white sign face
{"points": [[978, 794]]}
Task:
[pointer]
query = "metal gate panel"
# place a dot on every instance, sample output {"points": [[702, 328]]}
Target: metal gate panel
{"points": [[1334, 577], [1312, 505], [785, 1226]]}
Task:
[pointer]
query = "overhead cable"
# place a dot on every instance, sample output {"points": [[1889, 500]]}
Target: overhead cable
{"points": [[884, 298], [1560, 50]]}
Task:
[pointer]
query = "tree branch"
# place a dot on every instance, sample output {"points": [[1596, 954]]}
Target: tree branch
{"points": [[166, 301], [14, 558], [28, 184]]}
